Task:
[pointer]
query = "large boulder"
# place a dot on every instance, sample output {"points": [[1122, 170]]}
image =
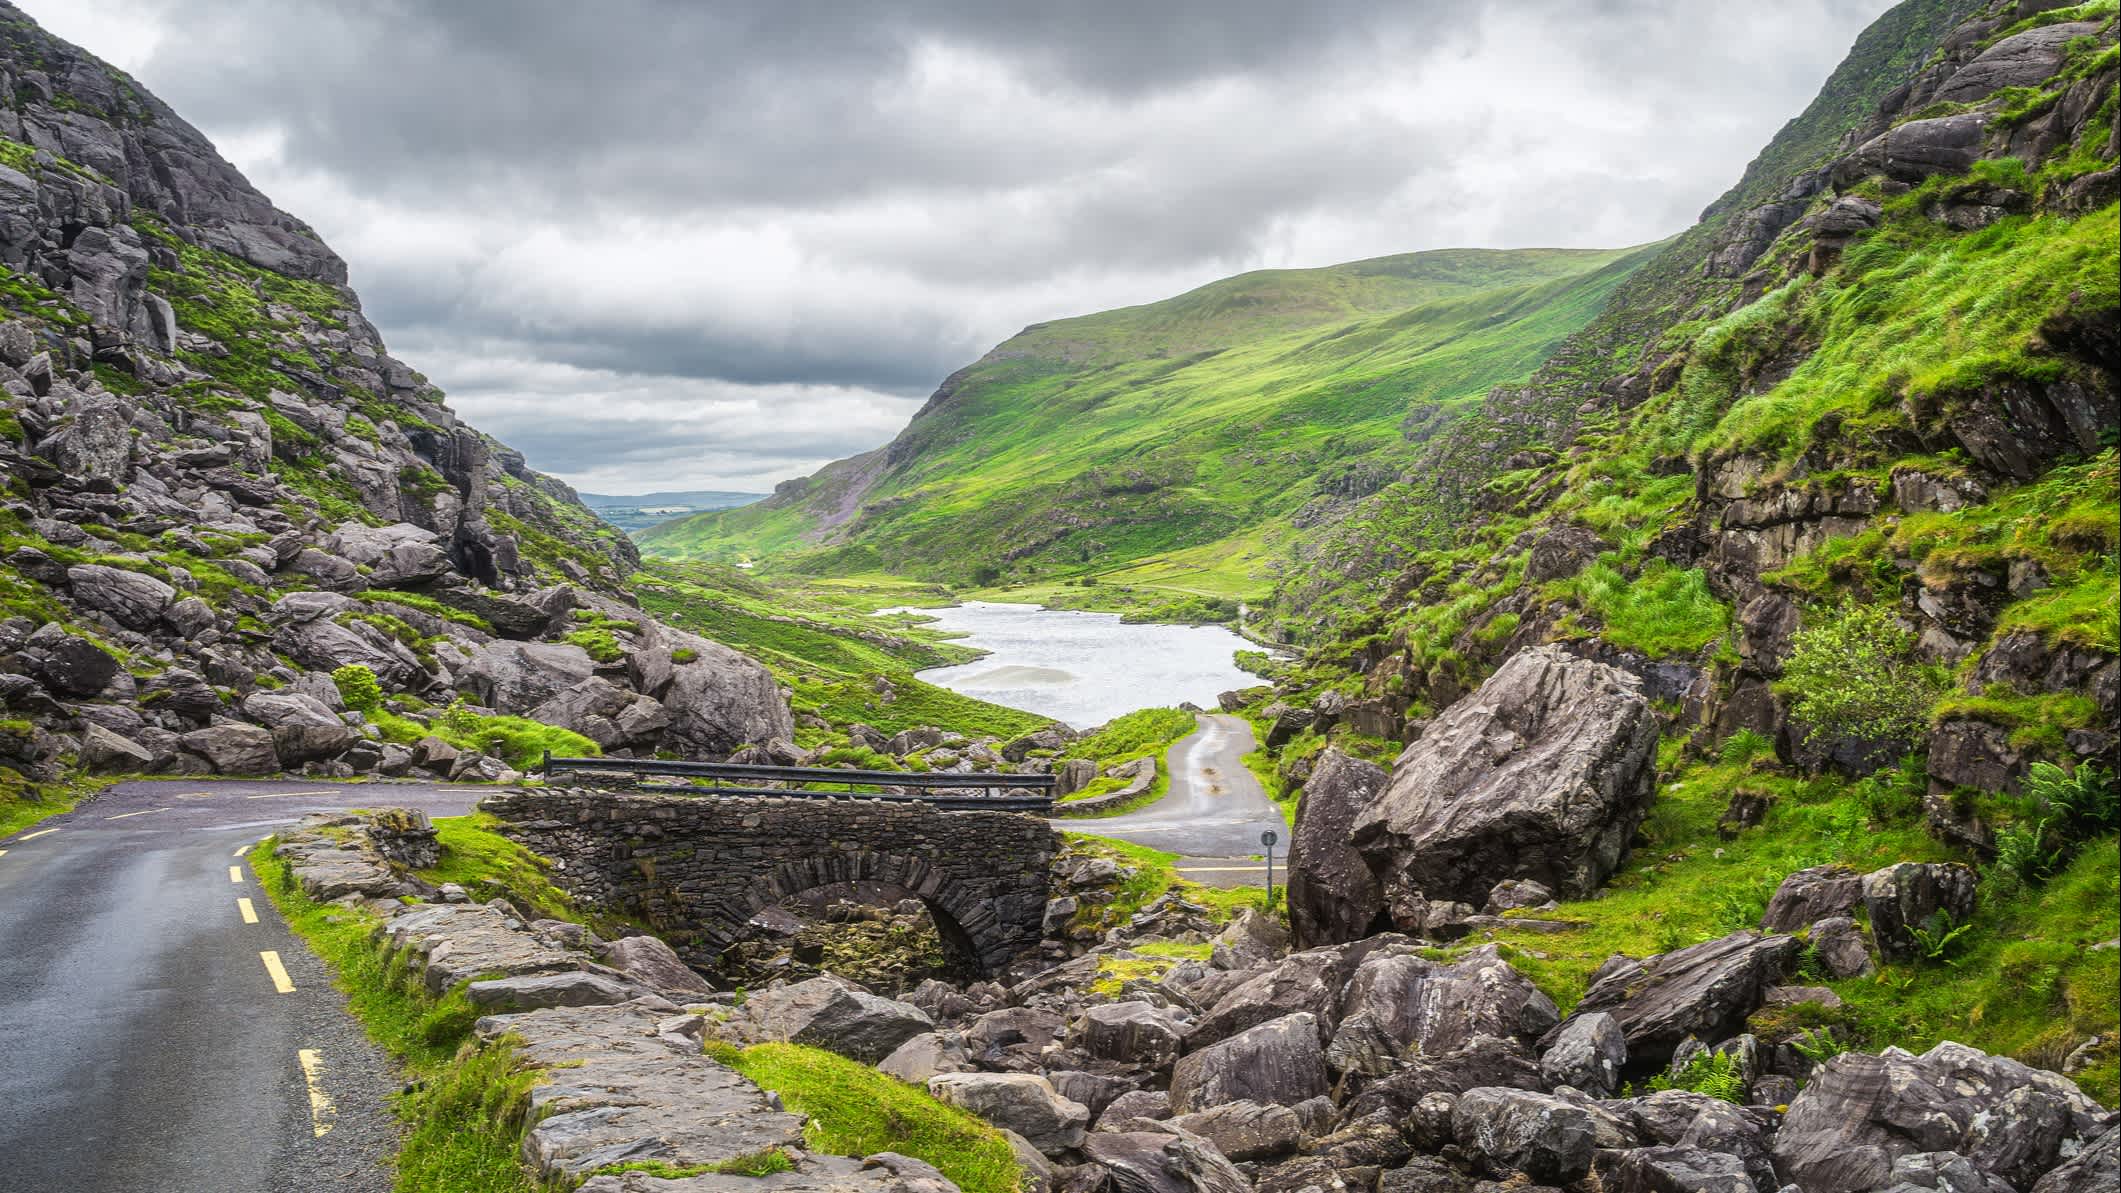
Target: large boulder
{"points": [[1279, 1061], [1930, 896], [1811, 895], [275, 709], [106, 751], [1431, 1008], [1512, 1131], [235, 749], [2020, 60], [1543, 773], [395, 556], [68, 664], [1915, 150], [1021, 1102], [1333, 897], [1682, 1170], [720, 700], [1165, 1161], [654, 964], [1589, 1054], [1706, 991], [133, 599], [827, 1013], [1132, 1033], [1860, 1113], [1305, 981], [1246, 1130], [2098, 1166], [516, 677], [321, 644]]}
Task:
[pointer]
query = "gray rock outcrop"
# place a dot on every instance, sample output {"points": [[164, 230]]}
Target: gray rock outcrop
{"points": [[1543, 773]]}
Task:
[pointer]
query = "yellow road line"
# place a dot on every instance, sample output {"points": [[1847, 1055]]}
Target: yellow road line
{"points": [[321, 1112], [235, 873], [289, 794], [3, 853], [240, 851], [1219, 869], [33, 836], [142, 812], [278, 972], [250, 913]]}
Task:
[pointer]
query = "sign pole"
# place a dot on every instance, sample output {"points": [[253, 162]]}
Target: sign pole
{"points": [[1268, 839]]}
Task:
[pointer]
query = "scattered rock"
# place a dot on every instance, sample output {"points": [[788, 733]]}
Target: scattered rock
{"points": [[825, 1013], [1589, 1053], [1279, 1061], [1022, 1102]]}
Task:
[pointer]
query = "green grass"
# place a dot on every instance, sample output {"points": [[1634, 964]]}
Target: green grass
{"points": [[1662, 611], [822, 640], [24, 803], [2023, 984], [518, 741], [857, 1111], [1133, 735], [1152, 432], [488, 865], [467, 1111]]}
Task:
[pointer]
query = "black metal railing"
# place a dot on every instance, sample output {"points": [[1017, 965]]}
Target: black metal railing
{"points": [[1003, 792]]}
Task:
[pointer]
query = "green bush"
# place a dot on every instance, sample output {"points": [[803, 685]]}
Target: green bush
{"points": [[1854, 675], [358, 687], [1713, 1073]]}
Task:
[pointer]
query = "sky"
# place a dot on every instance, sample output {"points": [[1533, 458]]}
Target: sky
{"points": [[660, 244]]}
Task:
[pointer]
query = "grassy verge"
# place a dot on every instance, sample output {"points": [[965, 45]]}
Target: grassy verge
{"points": [[24, 803], [856, 1111], [467, 1108], [1155, 873]]}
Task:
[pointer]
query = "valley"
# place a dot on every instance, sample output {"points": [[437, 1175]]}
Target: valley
{"points": [[1682, 682]]}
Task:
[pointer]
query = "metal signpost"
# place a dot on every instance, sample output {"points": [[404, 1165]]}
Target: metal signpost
{"points": [[1268, 839]]}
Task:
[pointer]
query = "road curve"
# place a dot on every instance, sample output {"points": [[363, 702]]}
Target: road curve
{"points": [[1214, 812], [144, 1040]]}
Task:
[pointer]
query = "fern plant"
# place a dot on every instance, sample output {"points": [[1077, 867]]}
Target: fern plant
{"points": [[1817, 1045], [1715, 1074], [1935, 934]]}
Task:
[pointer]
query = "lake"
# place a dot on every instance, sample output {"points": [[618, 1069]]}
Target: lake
{"points": [[1084, 669]]}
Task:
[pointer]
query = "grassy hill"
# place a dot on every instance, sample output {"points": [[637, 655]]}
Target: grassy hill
{"points": [[1098, 442]]}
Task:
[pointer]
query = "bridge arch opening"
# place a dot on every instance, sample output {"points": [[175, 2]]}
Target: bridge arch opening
{"points": [[970, 936], [883, 935]]}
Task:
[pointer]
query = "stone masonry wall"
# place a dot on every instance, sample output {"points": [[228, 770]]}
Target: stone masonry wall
{"points": [[697, 868]]}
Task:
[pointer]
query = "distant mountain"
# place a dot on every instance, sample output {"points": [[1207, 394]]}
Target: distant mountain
{"points": [[1193, 429], [639, 511]]}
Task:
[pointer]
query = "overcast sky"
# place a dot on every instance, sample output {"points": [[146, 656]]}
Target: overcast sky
{"points": [[661, 244]]}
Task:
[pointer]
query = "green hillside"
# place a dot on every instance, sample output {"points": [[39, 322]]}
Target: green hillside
{"points": [[1091, 443]]}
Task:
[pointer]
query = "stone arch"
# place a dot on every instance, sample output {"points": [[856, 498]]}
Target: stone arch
{"points": [[971, 932]]}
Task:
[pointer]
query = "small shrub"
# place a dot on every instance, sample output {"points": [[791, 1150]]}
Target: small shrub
{"points": [[1854, 675], [358, 687]]}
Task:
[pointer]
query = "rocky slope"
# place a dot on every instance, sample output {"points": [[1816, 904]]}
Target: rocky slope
{"points": [[222, 489], [1890, 385]]}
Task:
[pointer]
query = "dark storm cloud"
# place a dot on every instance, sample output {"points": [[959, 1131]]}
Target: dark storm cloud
{"points": [[748, 236]]}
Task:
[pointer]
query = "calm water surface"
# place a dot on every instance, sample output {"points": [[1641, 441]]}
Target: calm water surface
{"points": [[1084, 669]]}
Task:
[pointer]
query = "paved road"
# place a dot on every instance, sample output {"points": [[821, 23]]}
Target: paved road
{"points": [[144, 1042], [1214, 812]]}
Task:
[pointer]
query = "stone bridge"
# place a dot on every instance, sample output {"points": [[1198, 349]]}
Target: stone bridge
{"points": [[697, 868]]}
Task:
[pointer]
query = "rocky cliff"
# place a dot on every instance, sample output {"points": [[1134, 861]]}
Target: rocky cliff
{"points": [[221, 489], [1880, 376]]}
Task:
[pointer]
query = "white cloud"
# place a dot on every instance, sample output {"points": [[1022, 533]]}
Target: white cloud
{"points": [[747, 243]]}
